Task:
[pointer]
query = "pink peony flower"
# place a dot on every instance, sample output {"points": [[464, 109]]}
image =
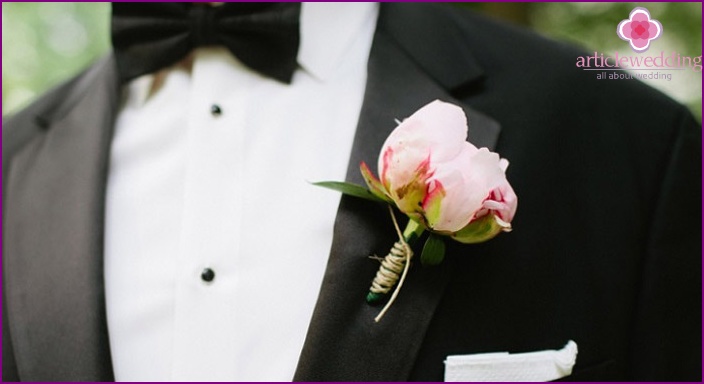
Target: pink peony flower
{"points": [[431, 173]]}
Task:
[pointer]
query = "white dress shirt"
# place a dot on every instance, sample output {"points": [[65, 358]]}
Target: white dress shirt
{"points": [[190, 190]]}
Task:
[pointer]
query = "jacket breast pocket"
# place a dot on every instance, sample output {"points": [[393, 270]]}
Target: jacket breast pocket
{"points": [[544, 365]]}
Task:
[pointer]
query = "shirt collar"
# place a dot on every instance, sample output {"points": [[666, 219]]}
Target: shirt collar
{"points": [[327, 32]]}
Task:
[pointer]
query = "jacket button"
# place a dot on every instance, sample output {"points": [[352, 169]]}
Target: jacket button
{"points": [[215, 110], [207, 275]]}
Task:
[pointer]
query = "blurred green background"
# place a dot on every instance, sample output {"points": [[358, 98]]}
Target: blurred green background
{"points": [[45, 43]]}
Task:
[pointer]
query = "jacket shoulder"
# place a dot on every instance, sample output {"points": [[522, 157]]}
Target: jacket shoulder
{"points": [[30, 122]]}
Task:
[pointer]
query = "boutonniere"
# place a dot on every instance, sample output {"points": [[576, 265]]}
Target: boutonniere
{"points": [[444, 184]]}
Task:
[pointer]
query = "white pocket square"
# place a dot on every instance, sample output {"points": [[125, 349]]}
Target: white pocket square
{"points": [[503, 366]]}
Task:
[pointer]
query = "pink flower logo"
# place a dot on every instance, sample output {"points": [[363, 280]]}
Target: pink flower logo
{"points": [[639, 29]]}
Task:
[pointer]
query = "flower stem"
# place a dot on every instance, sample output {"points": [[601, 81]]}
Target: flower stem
{"points": [[412, 232]]}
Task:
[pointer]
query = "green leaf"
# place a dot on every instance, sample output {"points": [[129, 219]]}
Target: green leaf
{"points": [[349, 189], [433, 251]]}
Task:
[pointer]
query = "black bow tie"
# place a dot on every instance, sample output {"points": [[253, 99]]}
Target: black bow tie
{"points": [[150, 36]]}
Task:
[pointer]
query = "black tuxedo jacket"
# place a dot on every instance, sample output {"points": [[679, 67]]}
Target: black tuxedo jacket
{"points": [[605, 249]]}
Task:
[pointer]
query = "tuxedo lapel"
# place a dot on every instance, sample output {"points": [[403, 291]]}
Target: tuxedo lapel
{"points": [[404, 74], [53, 236], [343, 342]]}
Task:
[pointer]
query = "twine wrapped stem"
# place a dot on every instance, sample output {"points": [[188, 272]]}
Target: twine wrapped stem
{"points": [[394, 267]]}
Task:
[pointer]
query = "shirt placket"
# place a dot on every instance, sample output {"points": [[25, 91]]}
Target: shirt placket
{"points": [[212, 213]]}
